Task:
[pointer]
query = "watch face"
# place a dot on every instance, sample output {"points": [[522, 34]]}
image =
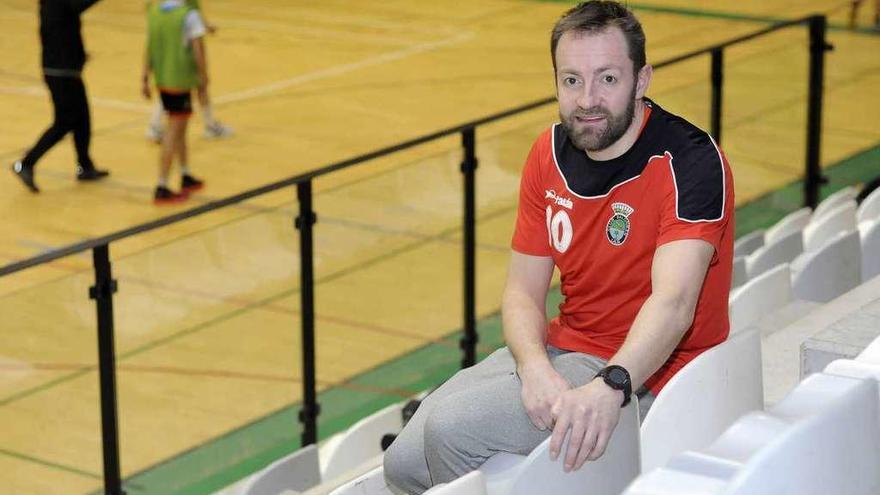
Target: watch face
{"points": [[617, 376]]}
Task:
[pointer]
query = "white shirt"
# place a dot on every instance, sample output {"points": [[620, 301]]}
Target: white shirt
{"points": [[193, 24]]}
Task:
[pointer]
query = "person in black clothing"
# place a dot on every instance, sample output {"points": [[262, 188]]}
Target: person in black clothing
{"points": [[63, 60]]}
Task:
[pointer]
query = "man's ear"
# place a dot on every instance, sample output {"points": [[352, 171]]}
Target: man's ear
{"points": [[643, 80]]}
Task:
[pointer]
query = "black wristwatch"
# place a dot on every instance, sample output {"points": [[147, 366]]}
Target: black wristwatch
{"points": [[617, 378]]}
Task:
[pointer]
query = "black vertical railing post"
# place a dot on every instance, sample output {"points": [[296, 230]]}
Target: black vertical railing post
{"points": [[717, 91], [308, 415], [813, 178], [102, 292], [469, 340]]}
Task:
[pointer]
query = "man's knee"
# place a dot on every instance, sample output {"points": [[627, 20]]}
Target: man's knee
{"points": [[405, 466], [448, 424]]}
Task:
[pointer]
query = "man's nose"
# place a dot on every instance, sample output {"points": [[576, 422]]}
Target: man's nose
{"points": [[588, 97]]}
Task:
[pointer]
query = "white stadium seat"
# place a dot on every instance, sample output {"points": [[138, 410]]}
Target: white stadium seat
{"points": [[704, 398], [472, 483], [784, 250], [823, 438], [298, 471], [869, 237], [740, 275], [510, 474], [748, 243], [825, 274], [361, 442], [871, 353], [854, 368], [834, 200], [869, 210], [789, 224], [762, 295], [371, 483], [822, 229]]}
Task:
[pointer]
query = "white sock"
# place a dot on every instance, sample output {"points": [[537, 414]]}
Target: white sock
{"points": [[208, 115], [156, 116], [184, 170], [163, 182]]}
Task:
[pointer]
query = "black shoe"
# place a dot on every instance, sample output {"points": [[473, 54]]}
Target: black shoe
{"points": [[26, 174], [163, 195], [189, 183], [90, 174]]}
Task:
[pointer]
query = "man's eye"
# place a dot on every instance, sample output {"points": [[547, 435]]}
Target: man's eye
{"points": [[571, 81], [609, 79]]}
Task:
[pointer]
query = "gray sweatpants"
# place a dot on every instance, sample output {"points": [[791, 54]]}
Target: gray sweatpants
{"points": [[475, 414]]}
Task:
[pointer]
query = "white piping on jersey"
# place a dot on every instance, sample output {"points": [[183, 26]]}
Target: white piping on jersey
{"points": [[723, 185], [559, 169]]}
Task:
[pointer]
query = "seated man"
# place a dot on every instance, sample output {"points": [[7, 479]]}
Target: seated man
{"points": [[634, 205]]}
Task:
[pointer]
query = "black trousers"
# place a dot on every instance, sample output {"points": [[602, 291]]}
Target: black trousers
{"points": [[71, 115]]}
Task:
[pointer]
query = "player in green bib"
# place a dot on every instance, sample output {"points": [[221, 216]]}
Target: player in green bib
{"points": [[213, 127], [175, 56]]}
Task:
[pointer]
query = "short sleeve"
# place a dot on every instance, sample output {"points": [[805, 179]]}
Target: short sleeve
{"points": [[194, 26], [531, 235], [698, 202]]}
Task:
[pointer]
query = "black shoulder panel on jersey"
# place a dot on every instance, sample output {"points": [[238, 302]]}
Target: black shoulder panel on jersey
{"points": [[698, 172], [588, 178], [696, 165]]}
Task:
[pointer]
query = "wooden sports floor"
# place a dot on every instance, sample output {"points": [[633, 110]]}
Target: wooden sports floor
{"points": [[207, 313]]}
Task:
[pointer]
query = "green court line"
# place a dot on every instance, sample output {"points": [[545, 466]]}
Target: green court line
{"points": [[770, 208], [223, 461], [55, 465], [47, 385]]}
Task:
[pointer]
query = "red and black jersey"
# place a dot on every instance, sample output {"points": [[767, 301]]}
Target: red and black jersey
{"points": [[601, 222]]}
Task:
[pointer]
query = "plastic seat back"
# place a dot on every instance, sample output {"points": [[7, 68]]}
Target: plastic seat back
{"points": [[472, 483], [511, 474], [787, 225], [823, 438], [869, 210], [833, 270], [834, 200], [298, 471], [748, 243], [371, 483], [784, 250], [821, 230], [704, 398], [869, 237], [762, 295], [361, 442]]}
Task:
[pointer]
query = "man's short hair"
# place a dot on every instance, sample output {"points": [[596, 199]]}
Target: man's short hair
{"points": [[596, 16]]}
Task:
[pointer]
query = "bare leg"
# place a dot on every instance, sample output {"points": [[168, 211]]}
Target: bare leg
{"points": [[182, 149], [173, 140], [213, 128], [205, 105], [154, 127]]}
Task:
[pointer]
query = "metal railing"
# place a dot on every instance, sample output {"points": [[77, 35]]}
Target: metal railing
{"points": [[105, 286]]}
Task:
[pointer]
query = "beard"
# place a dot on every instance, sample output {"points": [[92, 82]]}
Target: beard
{"points": [[592, 138]]}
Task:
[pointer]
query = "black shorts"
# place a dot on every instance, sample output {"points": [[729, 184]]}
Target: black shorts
{"points": [[176, 103]]}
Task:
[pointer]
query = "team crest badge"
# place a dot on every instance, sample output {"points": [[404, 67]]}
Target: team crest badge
{"points": [[617, 229]]}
